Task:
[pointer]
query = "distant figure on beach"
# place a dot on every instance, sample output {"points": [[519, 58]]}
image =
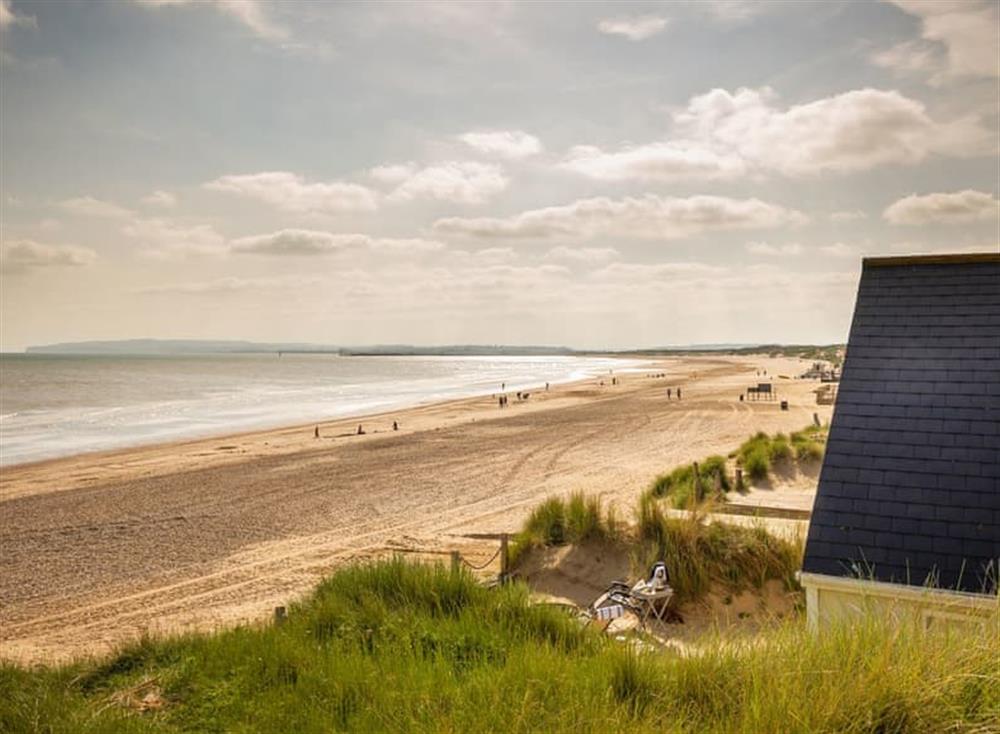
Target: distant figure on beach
{"points": [[503, 386], [316, 432], [361, 431], [670, 393], [678, 393], [395, 426], [546, 387]]}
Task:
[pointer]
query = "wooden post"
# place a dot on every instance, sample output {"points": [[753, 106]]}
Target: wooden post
{"points": [[456, 561], [697, 484], [816, 420], [280, 615], [739, 477], [504, 560]]}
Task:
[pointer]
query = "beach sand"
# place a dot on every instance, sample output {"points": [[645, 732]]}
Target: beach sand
{"points": [[100, 548]]}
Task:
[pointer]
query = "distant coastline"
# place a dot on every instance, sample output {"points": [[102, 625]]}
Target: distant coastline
{"points": [[199, 346]]}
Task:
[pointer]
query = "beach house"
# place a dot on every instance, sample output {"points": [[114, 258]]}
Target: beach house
{"points": [[907, 512]]}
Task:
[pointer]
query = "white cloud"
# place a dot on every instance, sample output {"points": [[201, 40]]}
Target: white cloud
{"points": [[848, 215], [839, 249], [722, 135], [9, 18], [961, 40], [944, 208], [18, 256], [921, 248], [504, 143], [298, 242], [251, 13], [231, 284], [160, 198], [853, 131], [635, 28], [465, 182], [164, 239], [583, 255], [735, 11], [394, 173], [764, 248], [88, 206], [653, 162], [290, 192], [911, 57], [650, 217]]}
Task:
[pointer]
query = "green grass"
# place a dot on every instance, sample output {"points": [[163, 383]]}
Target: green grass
{"points": [[699, 553], [761, 454], [686, 488], [559, 521], [399, 647]]}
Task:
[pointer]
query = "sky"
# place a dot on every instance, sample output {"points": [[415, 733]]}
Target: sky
{"points": [[601, 176]]}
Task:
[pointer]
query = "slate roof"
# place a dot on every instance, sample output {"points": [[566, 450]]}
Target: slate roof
{"points": [[910, 484]]}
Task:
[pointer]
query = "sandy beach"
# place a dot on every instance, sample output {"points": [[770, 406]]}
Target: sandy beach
{"points": [[99, 548]]}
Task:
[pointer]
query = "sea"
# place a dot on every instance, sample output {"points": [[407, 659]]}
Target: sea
{"points": [[61, 405]]}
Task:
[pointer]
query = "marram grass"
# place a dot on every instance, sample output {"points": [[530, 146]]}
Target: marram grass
{"points": [[399, 647]]}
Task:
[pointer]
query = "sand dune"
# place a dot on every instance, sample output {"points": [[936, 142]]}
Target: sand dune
{"points": [[100, 548]]}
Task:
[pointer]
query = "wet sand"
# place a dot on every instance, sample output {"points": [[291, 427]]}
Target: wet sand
{"points": [[97, 549]]}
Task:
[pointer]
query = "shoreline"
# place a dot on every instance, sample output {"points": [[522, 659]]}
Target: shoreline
{"points": [[100, 549], [265, 426], [271, 435]]}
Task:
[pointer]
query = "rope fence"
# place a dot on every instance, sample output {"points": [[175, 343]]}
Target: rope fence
{"points": [[480, 568]]}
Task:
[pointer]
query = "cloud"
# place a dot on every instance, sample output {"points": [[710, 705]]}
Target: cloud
{"points": [[653, 162], [851, 215], [504, 143], [635, 28], [944, 208], [919, 248], [160, 198], [839, 249], [464, 182], [88, 206], [290, 192], [9, 18], [911, 57], [853, 131], [764, 248], [650, 216], [231, 284], [307, 242], [735, 11], [165, 239], [251, 13], [960, 39], [721, 135], [583, 255], [19, 256], [394, 173]]}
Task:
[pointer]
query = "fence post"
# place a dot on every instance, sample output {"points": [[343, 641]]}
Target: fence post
{"points": [[456, 561], [504, 560], [698, 495]]}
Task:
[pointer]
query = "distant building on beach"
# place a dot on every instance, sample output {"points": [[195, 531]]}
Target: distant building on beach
{"points": [[907, 513]]}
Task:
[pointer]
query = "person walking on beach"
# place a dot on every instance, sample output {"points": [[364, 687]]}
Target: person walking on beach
{"points": [[316, 432], [678, 393], [361, 431], [395, 426], [670, 393]]}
